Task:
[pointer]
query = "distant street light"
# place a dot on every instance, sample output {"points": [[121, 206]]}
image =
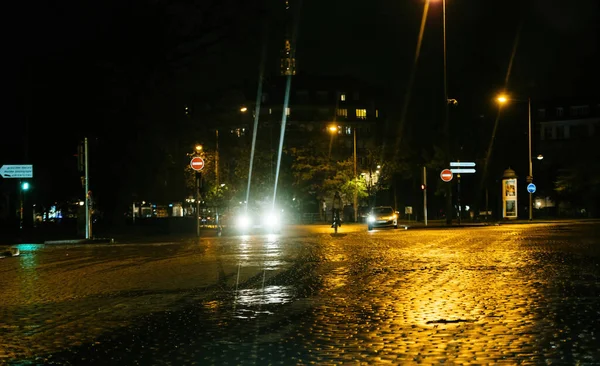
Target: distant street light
{"points": [[198, 148], [503, 99], [540, 157], [243, 109]]}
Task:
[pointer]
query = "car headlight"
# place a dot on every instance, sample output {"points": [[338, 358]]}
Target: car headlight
{"points": [[271, 220], [370, 218], [243, 222]]}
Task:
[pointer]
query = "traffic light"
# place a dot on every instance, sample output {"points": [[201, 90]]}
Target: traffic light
{"points": [[24, 186]]}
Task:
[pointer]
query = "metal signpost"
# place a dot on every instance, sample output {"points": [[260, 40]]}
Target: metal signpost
{"points": [[197, 163], [19, 172], [458, 168]]}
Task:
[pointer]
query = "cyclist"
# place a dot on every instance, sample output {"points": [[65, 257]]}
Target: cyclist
{"points": [[336, 207]]}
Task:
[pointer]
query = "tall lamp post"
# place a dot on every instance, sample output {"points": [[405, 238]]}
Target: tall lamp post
{"points": [[503, 99], [334, 129]]}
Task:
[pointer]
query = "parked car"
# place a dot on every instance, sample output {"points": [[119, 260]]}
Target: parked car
{"points": [[382, 216]]}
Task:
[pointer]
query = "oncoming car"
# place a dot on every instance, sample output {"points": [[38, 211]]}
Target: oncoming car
{"points": [[383, 216], [253, 222]]}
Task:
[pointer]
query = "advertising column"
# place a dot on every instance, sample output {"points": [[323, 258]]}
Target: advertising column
{"points": [[509, 195]]}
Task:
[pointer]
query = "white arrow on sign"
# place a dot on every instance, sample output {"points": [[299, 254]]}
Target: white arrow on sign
{"points": [[16, 171], [465, 164], [459, 170]]}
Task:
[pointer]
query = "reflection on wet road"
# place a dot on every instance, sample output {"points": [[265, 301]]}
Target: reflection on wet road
{"points": [[507, 294]]}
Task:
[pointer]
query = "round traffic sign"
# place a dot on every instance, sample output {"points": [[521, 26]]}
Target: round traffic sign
{"points": [[446, 175], [531, 188], [197, 163]]}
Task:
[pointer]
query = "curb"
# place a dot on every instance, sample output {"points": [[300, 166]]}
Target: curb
{"points": [[81, 241]]}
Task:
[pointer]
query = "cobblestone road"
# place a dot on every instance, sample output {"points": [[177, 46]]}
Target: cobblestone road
{"points": [[513, 294]]}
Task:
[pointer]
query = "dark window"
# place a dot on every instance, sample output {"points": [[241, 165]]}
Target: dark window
{"points": [[548, 133], [560, 112], [541, 113], [578, 132], [322, 95], [560, 132]]}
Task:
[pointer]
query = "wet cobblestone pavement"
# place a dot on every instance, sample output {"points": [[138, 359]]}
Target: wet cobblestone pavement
{"points": [[513, 294]]}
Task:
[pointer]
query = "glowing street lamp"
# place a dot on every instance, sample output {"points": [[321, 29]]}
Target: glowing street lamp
{"points": [[243, 109], [503, 99], [198, 148]]}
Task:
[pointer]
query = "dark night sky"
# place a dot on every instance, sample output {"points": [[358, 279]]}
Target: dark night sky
{"points": [[56, 47]]}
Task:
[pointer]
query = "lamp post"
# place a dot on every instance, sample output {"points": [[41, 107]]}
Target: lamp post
{"points": [[503, 99], [334, 129]]}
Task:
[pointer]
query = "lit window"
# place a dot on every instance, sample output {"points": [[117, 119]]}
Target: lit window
{"points": [[342, 112], [377, 113], [348, 130], [270, 111], [343, 97], [288, 111], [361, 113]]}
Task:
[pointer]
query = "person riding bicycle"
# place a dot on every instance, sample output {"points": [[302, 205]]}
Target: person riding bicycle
{"points": [[336, 207]]}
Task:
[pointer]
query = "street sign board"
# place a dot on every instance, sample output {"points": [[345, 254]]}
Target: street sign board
{"points": [[462, 170], [446, 175], [197, 163], [408, 210], [531, 188], [16, 171], [462, 164]]}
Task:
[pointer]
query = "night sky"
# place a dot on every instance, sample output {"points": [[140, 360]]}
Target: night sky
{"points": [[70, 66]]}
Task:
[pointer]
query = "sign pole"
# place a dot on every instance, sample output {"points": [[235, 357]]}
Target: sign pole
{"points": [[88, 227], [198, 185], [425, 194]]}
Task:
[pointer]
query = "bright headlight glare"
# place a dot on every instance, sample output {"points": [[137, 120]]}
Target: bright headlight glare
{"points": [[243, 222], [271, 220], [371, 218]]}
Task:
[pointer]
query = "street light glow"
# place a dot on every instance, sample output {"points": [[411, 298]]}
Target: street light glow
{"points": [[502, 99], [198, 147], [243, 109], [540, 157], [332, 129]]}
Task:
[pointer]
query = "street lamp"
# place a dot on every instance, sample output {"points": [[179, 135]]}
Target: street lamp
{"points": [[334, 129], [198, 148], [243, 109], [502, 100]]}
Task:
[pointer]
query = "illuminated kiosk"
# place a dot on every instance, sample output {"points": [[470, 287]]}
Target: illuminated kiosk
{"points": [[509, 195]]}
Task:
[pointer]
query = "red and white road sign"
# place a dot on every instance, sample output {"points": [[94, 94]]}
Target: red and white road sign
{"points": [[197, 163], [446, 175]]}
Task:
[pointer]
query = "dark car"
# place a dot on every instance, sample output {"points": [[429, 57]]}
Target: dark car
{"points": [[383, 216]]}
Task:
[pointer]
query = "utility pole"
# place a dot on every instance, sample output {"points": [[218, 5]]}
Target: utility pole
{"points": [[88, 222]]}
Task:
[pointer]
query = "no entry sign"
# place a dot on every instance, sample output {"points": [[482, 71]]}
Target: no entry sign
{"points": [[446, 175], [197, 164]]}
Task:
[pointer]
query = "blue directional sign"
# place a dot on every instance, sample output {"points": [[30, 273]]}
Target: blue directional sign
{"points": [[531, 188], [462, 163], [462, 170]]}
